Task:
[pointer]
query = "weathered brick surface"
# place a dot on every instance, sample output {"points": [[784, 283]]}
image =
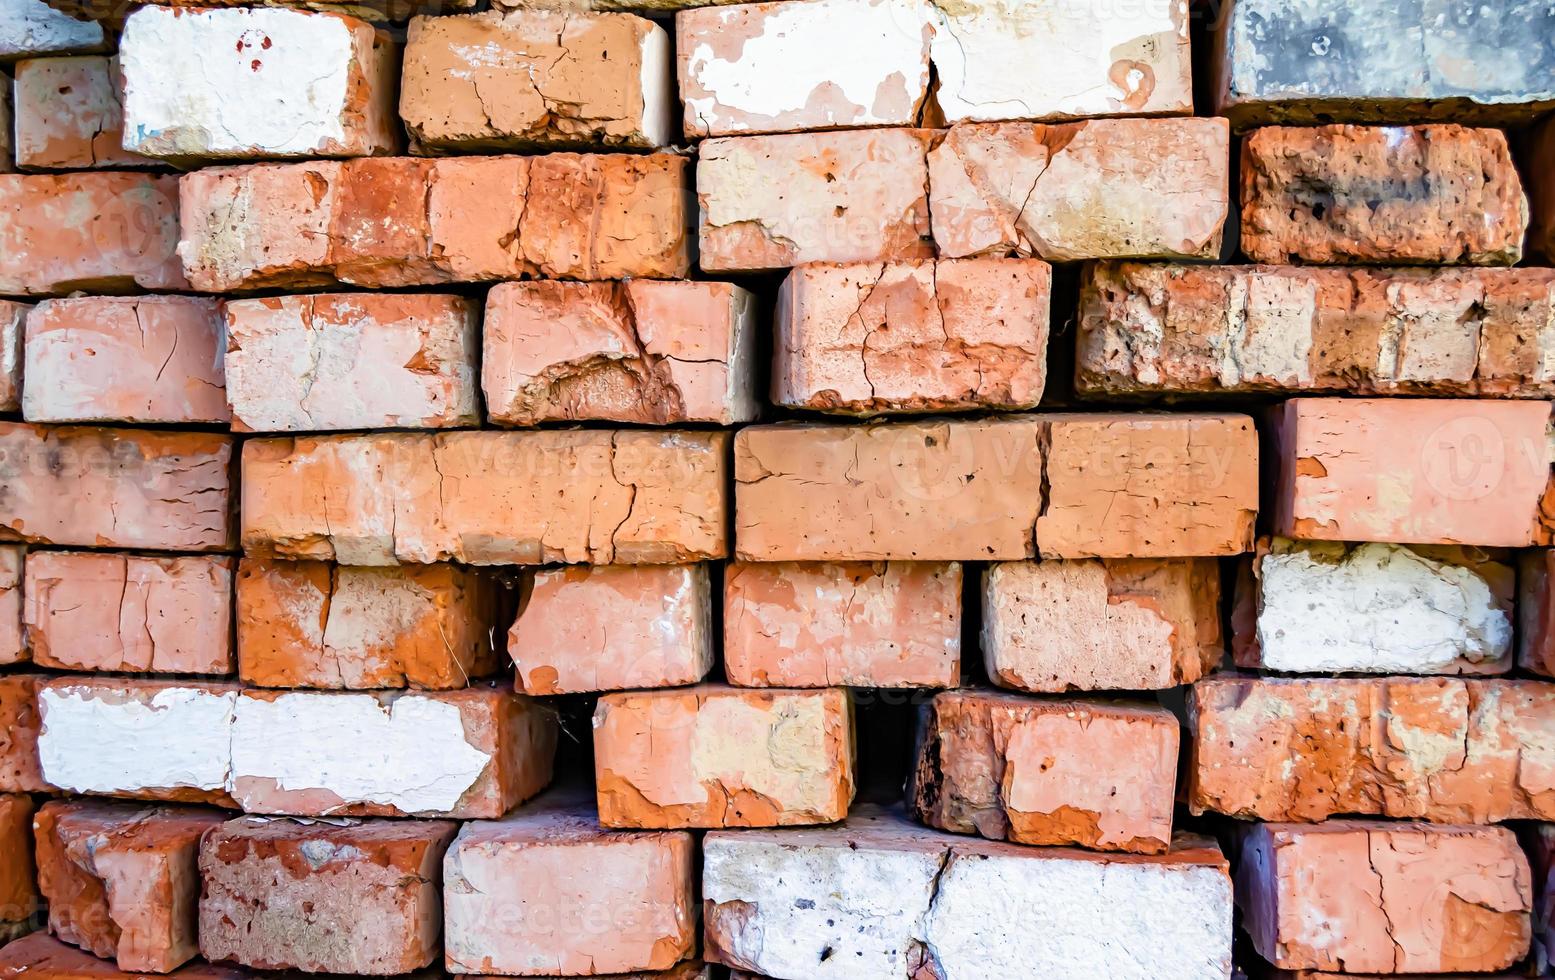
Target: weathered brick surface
{"points": [[1099, 775], [1107, 188], [924, 336], [107, 232], [31, 27], [1313, 607], [538, 77], [1536, 611], [1431, 748], [713, 756], [1430, 898], [546, 891], [13, 325], [469, 219], [1147, 329], [68, 115], [13, 647], [122, 880], [311, 84], [768, 202], [20, 768], [1406, 195], [129, 613], [123, 359], [1108, 624], [888, 898], [1421, 471], [359, 898], [593, 496], [115, 488], [18, 891], [855, 624], [40, 956], [351, 361], [317, 625], [613, 627], [1540, 169], [644, 351]]}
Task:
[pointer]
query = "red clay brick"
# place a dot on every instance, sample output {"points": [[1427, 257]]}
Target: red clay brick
{"points": [[13, 326], [13, 647], [20, 769], [854, 624], [18, 893], [68, 114], [115, 488], [1541, 189], [42, 957], [129, 613], [1536, 611]]}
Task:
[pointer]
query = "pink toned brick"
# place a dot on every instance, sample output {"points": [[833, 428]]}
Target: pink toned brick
{"points": [[13, 648], [68, 115]]}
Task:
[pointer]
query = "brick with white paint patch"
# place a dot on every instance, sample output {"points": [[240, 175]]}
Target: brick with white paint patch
{"points": [[13, 326], [613, 627], [317, 625], [645, 351], [545, 891], [347, 896], [1361, 895], [124, 359], [312, 84], [94, 611], [714, 756], [68, 114], [351, 361], [1329, 607], [1113, 624], [855, 624], [878, 896], [31, 27]]}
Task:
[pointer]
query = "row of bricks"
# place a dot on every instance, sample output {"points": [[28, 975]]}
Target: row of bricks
{"points": [[545, 891], [1063, 486], [769, 202], [1039, 771], [1048, 626], [858, 339]]}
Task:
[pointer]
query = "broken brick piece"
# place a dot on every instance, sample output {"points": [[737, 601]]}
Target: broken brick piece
{"points": [[929, 491], [312, 84], [1431, 748], [13, 647], [1101, 624], [770, 202], [124, 359], [1363, 895], [878, 896], [40, 956], [96, 230], [851, 624], [13, 326], [349, 896], [538, 78], [94, 611], [1151, 329], [544, 890], [1316, 607], [401, 221], [1412, 471], [714, 756], [317, 625], [18, 893], [68, 114], [596, 496], [1097, 774], [122, 880], [908, 337], [1140, 485], [20, 767], [351, 361], [613, 627], [115, 488], [1106, 188], [1401, 194], [646, 351]]}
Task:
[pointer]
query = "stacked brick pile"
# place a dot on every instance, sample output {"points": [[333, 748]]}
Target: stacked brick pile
{"points": [[814, 489]]}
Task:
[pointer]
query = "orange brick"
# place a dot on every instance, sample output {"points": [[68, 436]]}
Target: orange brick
{"points": [[68, 114], [317, 625], [596, 496], [115, 488], [854, 624], [105, 232], [1541, 189], [20, 768], [42, 957], [13, 648], [13, 326], [1420, 471], [713, 756], [1009, 767], [129, 613], [18, 894], [613, 627], [401, 221]]}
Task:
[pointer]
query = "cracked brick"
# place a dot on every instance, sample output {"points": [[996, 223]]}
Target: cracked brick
{"points": [[68, 115], [13, 646]]}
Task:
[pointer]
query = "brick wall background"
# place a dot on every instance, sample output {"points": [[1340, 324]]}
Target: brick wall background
{"points": [[815, 489]]}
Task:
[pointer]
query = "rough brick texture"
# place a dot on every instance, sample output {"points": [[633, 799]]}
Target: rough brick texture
{"points": [[18, 876], [13, 646], [67, 114], [40, 956], [20, 769], [13, 326]]}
